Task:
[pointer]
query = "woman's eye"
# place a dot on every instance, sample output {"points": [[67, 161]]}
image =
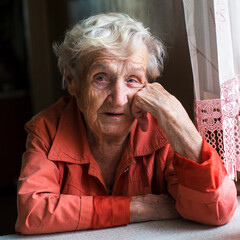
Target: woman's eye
{"points": [[100, 78], [132, 80], [100, 81]]}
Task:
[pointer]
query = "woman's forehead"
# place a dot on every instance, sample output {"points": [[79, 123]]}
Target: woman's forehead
{"points": [[108, 64], [136, 61]]}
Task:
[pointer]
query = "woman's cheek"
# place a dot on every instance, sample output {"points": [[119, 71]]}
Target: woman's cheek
{"points": [[90, 101], [101, 85]]}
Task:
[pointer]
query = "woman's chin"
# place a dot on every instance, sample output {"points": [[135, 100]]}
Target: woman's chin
{"points": [[115, 130], [118, 132]]}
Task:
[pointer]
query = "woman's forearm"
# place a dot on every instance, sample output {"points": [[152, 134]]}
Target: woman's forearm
{"points": [[184, 138]]}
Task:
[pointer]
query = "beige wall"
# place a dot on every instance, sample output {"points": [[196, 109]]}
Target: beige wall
{"points": [[47, 20]]}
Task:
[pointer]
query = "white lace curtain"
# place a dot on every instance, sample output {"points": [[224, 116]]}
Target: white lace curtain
{"points": [[213, 29]]}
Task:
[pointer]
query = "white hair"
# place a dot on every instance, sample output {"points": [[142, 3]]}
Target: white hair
{"points": [[110, 33]]}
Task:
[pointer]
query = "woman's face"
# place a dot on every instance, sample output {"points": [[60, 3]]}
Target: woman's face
{"points": [[106, 95]]}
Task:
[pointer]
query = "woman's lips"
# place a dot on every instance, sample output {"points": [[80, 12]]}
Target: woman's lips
{"points": [[114, 114]]}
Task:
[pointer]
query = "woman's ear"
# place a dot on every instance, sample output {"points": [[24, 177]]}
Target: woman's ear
{"points": [[71, 84]]}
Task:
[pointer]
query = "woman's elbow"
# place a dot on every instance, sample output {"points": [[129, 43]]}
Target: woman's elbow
{"points": [[214, 213], [225, 212], [29, 219], [22, 227]]}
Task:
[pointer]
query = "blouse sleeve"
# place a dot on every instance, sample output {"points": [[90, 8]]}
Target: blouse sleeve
{"points": [[43, 209], [203, 192]]}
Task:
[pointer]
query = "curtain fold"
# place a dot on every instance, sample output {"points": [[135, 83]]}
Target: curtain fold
{"points": [[213, 38]]}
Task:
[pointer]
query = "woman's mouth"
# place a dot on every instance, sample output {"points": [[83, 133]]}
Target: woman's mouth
{"points": [[114, 114]]}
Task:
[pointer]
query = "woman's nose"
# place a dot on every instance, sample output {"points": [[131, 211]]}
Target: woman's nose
{"points": [[119, 94]]}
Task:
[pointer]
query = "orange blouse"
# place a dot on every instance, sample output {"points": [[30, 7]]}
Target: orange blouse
{"points": [[61, 187]]}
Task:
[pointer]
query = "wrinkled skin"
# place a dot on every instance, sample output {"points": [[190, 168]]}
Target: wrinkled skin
{"points": [[153, 207], [114, 94], [106, 96], [171, 116]]}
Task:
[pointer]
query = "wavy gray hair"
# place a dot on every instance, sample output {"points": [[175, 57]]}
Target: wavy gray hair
{"points": [[108, 34]]}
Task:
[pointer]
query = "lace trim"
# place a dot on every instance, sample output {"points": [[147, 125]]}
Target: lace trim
{"points": [[218, 121]]}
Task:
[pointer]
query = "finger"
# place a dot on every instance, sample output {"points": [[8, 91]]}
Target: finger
{"points": [[141, 117], [143, 121]]}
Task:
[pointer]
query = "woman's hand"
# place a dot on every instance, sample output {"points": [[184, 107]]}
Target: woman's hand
{"points": [[172, 118], [152, 207]]}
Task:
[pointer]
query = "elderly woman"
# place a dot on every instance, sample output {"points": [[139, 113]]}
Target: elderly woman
{"points": [[120, 148]]}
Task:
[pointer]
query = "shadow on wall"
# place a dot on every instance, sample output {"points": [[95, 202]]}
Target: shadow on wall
{"points": [[15, 105], [17, 111]]}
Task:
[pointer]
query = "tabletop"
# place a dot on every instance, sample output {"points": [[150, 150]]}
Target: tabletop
{"points": [[168, 229]]}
